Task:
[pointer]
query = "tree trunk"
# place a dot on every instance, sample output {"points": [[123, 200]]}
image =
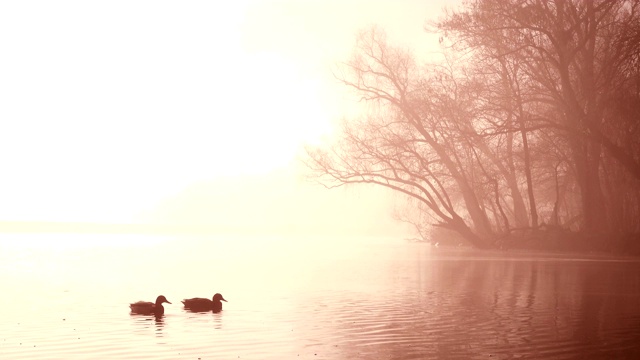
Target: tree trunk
{"points": [[458, 225]]}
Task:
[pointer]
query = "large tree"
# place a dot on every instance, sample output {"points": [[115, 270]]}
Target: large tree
{"points": [[535, 100], [411, 143], [576, 54]]}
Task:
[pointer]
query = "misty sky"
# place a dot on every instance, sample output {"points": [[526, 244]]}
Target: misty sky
{"points": [[113, 110]]}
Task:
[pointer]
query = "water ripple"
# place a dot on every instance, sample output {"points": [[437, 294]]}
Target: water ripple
{"points": [[399, 301]]}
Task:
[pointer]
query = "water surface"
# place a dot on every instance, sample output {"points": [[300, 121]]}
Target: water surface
{"points": [[66, 296]]}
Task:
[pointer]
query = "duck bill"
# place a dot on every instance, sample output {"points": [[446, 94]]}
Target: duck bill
{"points": [[223, 300]]}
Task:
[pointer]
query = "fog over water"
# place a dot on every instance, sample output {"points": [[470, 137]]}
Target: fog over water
{"points": [[310, 297], [358, 178]]}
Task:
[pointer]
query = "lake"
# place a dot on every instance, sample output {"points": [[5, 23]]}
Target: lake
{"points": [[66, 296]]}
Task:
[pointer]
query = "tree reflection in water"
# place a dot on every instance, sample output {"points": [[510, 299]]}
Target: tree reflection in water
{"points": [[479, 306]]}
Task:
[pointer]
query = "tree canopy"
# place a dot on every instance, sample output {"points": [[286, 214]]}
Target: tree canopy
{"points": [[529, 121]]}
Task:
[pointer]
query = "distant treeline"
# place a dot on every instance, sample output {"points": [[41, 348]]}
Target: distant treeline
{"points": [[527, 123]]}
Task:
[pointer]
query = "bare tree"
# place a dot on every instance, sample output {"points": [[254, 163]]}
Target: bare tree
{"points": [[407, 144], [533, 97], [575, 54]]}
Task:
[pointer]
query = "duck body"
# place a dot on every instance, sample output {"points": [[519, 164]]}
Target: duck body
{"points": [[202, 304], [149, 308]]}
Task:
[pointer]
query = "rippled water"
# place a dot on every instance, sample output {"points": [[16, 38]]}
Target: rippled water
{"points": [[66, 297]]}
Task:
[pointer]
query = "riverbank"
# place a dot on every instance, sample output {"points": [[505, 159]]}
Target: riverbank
{"points": [[557, 240]]}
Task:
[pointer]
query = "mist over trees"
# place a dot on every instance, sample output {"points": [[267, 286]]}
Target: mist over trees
{"points": [[529, 122]]}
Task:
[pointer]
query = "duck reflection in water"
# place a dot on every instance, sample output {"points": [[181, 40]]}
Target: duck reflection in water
{"points": [[159, 326], [149, 308], [202, 304]]}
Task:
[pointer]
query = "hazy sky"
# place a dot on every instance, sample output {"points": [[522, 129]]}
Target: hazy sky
{"points": [[108, 108]]}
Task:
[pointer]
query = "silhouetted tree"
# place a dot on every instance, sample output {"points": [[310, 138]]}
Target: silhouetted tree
{"points": [[576, 54], [409, 144], [535, 97]]}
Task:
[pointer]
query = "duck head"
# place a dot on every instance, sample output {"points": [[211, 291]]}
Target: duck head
{"points": [[218, 297], [161, 299]]}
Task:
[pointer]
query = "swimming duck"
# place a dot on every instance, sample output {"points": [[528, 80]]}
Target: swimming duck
{"points": [[149, 308], [202, 304]]}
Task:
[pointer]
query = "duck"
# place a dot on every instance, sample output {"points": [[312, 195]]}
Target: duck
{"points": [[202, 304], [149, 308]]}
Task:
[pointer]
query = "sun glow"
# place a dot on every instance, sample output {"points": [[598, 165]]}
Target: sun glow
{"points": [[111, 107]]}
